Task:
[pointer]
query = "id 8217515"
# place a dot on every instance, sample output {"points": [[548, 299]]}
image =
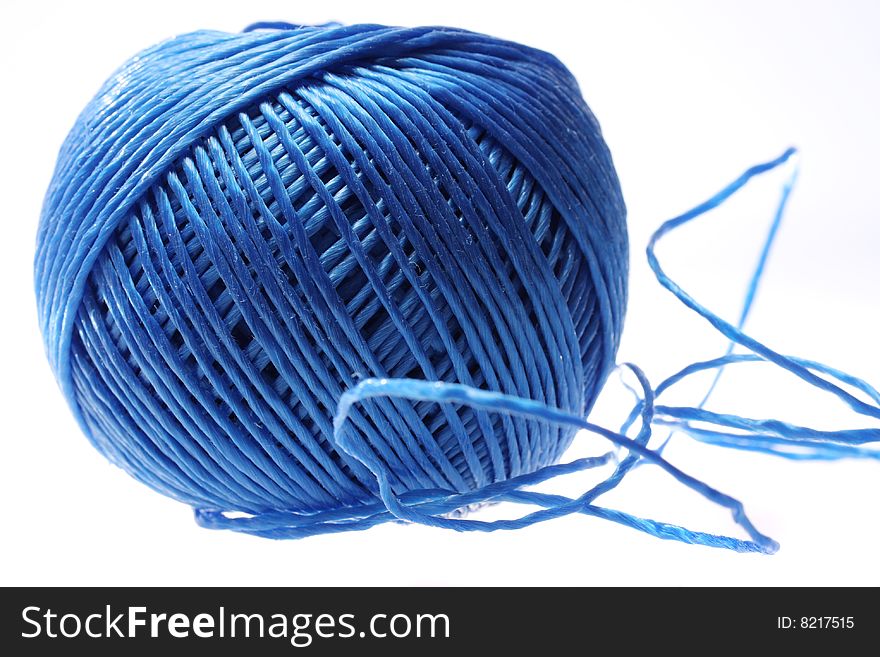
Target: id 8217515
{"points": [[815, 622]]}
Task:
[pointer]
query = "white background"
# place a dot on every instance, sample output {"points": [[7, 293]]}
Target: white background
{"points": [[688, 94]]}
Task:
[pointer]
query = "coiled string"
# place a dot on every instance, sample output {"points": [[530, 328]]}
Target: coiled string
{"points": [[242, 226], [431, 507], [247, 232]]}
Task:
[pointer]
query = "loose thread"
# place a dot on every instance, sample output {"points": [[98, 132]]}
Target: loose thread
{"points": [[759, 435]]}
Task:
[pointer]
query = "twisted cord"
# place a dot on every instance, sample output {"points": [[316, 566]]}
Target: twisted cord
{"points": [[313, 279]]}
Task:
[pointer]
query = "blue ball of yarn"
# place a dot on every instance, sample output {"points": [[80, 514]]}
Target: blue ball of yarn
{"points": [[242, 226]]}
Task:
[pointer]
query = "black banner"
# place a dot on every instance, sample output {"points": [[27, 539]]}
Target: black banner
{"points": [[422, 621]]}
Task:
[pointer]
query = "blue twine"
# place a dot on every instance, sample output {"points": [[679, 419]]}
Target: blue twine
{"points": [[311, 279]]}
